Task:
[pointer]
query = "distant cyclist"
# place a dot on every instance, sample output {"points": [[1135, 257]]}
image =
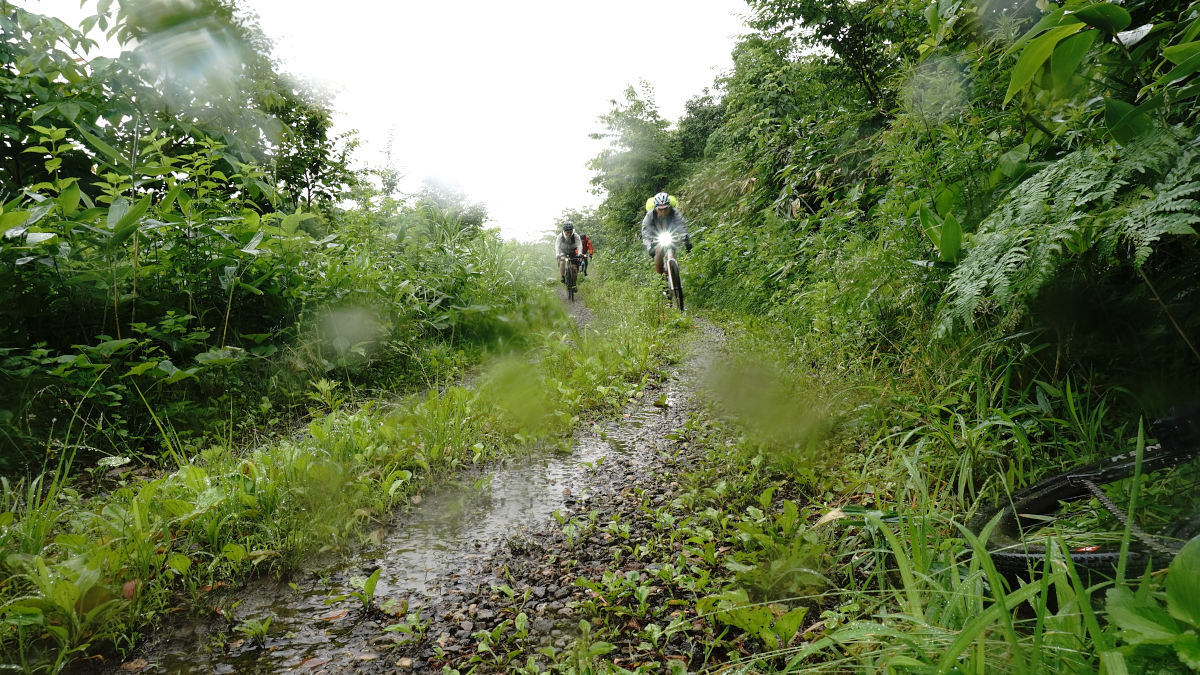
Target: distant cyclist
{"points": [[662, 215], [567, 244], [587, 252]]}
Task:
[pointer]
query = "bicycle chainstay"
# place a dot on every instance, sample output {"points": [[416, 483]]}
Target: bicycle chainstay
{"points": [[1150, 542], [1120, 469]]}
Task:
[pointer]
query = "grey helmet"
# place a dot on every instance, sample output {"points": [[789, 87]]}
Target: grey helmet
{"points": [[662, 199]]}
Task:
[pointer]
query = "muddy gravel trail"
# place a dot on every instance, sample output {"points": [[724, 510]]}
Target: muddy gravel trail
{"points": [[470, 555]]}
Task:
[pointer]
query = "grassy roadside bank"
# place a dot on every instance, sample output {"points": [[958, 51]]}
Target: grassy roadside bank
{"points": [[91, 571], [831, 541]]}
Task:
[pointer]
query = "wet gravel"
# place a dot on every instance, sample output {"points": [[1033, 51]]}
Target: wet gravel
{"points": [[467, 558]]}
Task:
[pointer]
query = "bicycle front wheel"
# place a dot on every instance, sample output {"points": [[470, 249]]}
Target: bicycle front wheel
{"points": [[676, 284], [572, 277], [1076, 509]]}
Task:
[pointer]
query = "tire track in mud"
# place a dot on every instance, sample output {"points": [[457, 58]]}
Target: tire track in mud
{"points": [[469, 556]]}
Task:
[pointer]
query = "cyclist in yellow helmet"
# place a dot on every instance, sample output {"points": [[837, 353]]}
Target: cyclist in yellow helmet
{"points": [[662, 215]]}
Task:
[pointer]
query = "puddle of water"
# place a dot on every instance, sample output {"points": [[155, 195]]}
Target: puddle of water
{"points": [[426, 551], [467, 522]]}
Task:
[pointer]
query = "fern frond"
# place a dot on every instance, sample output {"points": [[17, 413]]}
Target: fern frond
{"points": [[1172, 209], [1091, 200]]}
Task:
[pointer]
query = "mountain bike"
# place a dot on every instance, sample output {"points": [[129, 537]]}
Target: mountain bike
{"points": [[666, 243], [1083, 509], [571, 276]]}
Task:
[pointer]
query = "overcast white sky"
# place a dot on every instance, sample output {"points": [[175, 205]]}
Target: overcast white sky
{"points": [[496, 98]]}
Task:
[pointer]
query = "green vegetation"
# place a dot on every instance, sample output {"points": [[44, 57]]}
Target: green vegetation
{"points": [[965, 233], [954, 243], [90, 572]]}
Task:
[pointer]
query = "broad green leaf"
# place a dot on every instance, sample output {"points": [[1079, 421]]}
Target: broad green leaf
{"points": [[177, 507], [1125, 122], [69, 109], [787, 625], [1187, 648], [290, 223], [600, 648], [950, 242], [1138, 621], [180, 375], [117, 211], [1013, 161], [110, 347], [221, 357], [1186, 67], [142, 367], [948, 198], [179, 562], [105, 149], [1112, 662], [369, 586], [128, 223], [252, 247], [1183, 584], [1053, 18], [68, 201], [1069, 54], [12, 220], [1035, 55], [1106, 16], [1191, 32], [169, 198], [1180, 53], [234, 552], [20, 615], [932, 225]]}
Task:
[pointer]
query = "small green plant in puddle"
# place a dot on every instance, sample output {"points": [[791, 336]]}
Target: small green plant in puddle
{"points": [[594, 466], [255, 630], [365, 589], [413, 627]]}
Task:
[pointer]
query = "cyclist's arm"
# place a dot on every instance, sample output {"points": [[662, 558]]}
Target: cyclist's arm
{"points": [[648, 231], [678, 224]]}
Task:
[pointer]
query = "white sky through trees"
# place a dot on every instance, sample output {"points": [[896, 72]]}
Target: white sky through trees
{"points": [[495, 99]]}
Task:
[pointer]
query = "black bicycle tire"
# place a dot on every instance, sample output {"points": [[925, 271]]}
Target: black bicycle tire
{"points": [[1011, 554], [571, 280], [676, 284]]}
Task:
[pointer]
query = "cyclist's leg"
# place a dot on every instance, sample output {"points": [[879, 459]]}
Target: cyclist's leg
{"points": [[658, 260]]}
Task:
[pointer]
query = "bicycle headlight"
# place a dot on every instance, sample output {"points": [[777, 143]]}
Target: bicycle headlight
{"points": [[665, 239]]}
